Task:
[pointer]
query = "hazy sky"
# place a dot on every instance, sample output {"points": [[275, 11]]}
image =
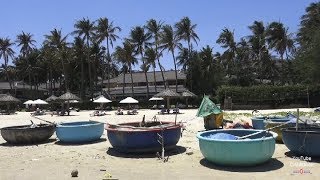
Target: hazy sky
{"points": [[39, 17]]}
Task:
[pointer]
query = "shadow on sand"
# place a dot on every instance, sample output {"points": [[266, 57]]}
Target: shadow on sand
{"points": [[80, 144], [271, 165], [297, 156], [171, 152], [34, 144]]}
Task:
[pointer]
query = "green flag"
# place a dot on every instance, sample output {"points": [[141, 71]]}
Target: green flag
{"points": [[207, 107]]}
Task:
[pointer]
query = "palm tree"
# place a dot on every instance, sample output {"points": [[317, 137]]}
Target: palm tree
{"points": [[279, 39], [107, 31], [185, 30], [226, 40], [154, 28], [126, 56], [183, 58], [79, 49], [27, 44], [170, 42], [140, 40], [150, 56], [58, 42], [86, 29], [6, 52], [258, 45]]}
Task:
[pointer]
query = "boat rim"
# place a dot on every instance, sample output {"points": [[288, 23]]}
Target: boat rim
{"points": [[25, 126], [142, 129], [274, 136], [82, 125], [301, 130]]}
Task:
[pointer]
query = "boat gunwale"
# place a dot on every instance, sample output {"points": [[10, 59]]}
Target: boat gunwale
{"points": [[94, 123], [301, 130], [141, 129], [27, 127], [274, 136]]}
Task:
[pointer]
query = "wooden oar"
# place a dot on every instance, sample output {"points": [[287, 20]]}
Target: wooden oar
{"points": [[44, 120], [249, 135]]}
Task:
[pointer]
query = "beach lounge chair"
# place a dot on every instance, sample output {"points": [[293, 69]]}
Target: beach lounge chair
{"points": [[119, 112], [175, 111], [132, 112], [98, 113], [163, 111]]}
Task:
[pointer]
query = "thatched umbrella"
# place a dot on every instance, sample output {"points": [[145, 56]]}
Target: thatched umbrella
{"points": [[7, 99], [68, 96], [167, 93], [187, 94], [52, 98]]}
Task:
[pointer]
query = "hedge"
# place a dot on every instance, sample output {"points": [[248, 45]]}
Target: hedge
{"points": [[266, 94]]}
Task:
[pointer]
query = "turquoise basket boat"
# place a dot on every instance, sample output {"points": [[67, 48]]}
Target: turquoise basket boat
{"points": [[254, 150], [79, 132], [260, 121]]}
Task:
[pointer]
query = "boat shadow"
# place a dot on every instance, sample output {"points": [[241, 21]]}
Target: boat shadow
{"points": [[6, 144], [80, 144], [271, 165], [294, 156], [171, 152]]}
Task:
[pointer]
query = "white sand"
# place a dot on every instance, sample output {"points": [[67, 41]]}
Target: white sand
{"points": [[55, 161]]}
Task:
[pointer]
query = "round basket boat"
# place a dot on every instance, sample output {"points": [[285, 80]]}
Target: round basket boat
{"points": [[251, 151], [130, 137], [305, 141], [28, 134], [260, 121], [79, 132]]}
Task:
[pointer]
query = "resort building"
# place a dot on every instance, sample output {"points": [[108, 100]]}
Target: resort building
{"points": [[155, 82]]}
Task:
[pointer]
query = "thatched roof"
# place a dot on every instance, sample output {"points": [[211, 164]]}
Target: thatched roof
{"points": [[8, 98], [52, 98], [188, 94], [167, 93], [69, 96]]}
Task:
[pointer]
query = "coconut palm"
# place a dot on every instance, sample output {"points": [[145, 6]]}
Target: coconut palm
{"points": [[226, 40], [86, 29], [154, 28], [27, 44], [140, 40], [170, 42], [280, 39], [59, 43], [183, 58], [185, 30], [126, 56], [150, 57], [6, 52], [107, 31]]}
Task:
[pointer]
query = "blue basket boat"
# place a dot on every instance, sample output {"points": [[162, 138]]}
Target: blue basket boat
{"points": [[304, 141], [79, 132], [130, 137], [251, 151]]}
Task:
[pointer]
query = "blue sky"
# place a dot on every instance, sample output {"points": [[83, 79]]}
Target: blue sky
{"points": [[39, 17]]}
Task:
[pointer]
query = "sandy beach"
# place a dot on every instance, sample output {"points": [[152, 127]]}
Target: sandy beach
{"points": [[53, 160]]}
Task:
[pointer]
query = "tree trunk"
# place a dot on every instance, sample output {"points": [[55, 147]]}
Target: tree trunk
{"points": [[108, 65], [82, 91], [160, 67], [124, 82], [89, 66], [154, 79], [175, 69], [132, 92], [145, 74]]}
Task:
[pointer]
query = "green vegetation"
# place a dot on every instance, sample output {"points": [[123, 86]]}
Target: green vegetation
{"points": [[269, 56]]}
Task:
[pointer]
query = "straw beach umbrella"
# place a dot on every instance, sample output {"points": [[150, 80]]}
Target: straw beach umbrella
{"points": [[52, 98], [7, 99], [68, 96], [187, 94], [167, 93]]}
